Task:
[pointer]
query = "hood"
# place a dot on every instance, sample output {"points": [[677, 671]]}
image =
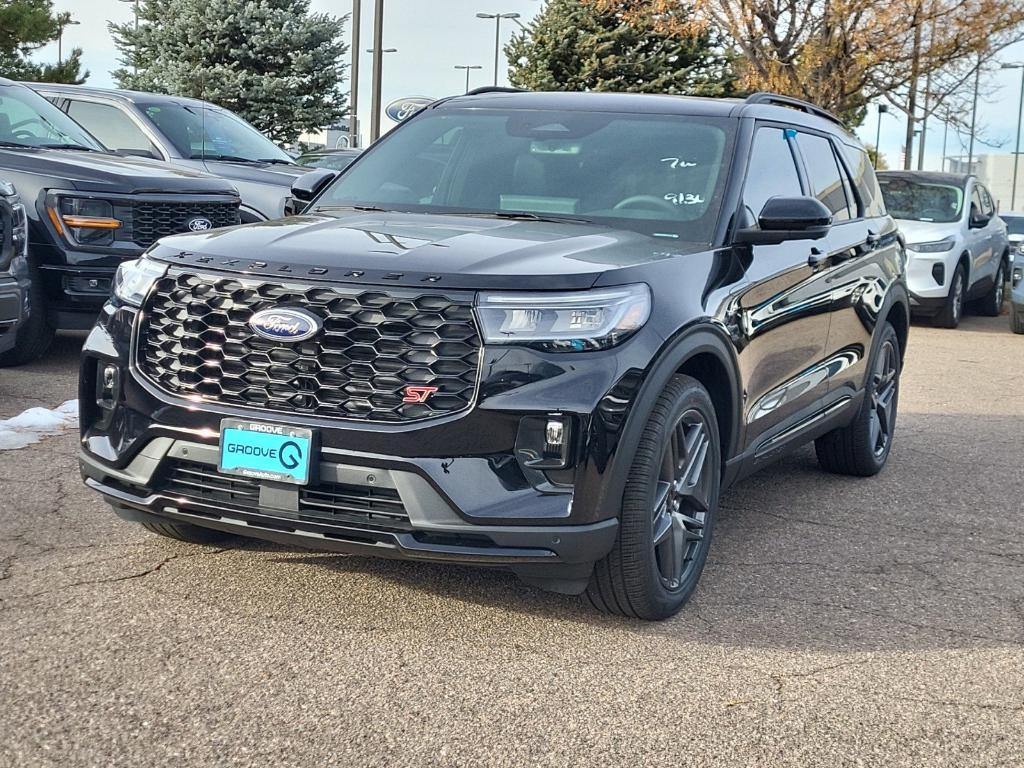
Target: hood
{"points": [[927, 231], [273, 174], [102, 172], [420, 249]]}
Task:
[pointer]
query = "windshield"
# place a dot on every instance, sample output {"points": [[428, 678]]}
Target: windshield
{"points": [[921, 201], [212, 134], [29, 120], [1014, 224], [657, 174]]}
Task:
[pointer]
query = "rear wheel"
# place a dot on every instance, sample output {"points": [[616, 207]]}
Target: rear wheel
{"points": [[185, 532], [862, 448], [953, 309], [668, 509]]}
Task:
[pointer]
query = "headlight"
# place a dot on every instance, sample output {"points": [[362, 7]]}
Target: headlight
{"points": [[84, 220], [576, 322], [936, 246], [134, 279]]}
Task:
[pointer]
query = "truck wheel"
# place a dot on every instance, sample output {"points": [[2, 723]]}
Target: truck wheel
{"points": [[953, 309], [668, 508], [1016, 320], [35, 335], [991, 304], [862, 448], [185, 532]]}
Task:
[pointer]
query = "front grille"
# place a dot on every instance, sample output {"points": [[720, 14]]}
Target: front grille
{"points": [[327, 501], [149, 221], [195, 341]]}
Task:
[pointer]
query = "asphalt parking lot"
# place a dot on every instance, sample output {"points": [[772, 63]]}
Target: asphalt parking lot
{"points": [[840, 622]]}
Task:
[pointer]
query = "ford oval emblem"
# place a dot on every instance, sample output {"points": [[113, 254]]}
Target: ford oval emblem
{"points": [[199, 224], [285, 324], [403, 109]]}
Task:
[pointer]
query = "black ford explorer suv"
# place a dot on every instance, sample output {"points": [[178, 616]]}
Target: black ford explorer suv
{"points": [[88, 210], [538, 331]]}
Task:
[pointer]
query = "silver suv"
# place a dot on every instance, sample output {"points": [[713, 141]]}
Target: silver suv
{"points": [[957, 247]]}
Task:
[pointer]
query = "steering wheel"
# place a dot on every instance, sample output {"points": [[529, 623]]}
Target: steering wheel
{"points": [[645, 202], [23, 135]]}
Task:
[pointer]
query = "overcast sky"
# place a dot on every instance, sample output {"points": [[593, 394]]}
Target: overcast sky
{"points": [[432, 36]]}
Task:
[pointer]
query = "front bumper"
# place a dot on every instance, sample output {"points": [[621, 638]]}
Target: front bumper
{"points": [[928, 278], [13, 309]]}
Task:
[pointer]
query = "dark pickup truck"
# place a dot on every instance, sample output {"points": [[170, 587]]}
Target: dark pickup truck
{"points": [[13, 264], [88, 210]]}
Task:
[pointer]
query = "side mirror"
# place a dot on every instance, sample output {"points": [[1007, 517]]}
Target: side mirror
{"points": [[307, 187], [979, 221], [788, 218]]}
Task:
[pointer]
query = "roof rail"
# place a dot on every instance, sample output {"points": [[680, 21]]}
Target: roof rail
{"points": [[494, 89], [763, 97]]}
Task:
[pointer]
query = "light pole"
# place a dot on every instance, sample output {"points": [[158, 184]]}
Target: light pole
{"points": [[882, 109], [1016, 151], [974, 115], [353, 99], [378, 69], [63, 21], [468, 68], [497, 34]]}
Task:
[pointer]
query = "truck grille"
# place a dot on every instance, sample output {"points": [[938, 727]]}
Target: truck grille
{"points": [[195, 341], [328, 502], [152, 220]]}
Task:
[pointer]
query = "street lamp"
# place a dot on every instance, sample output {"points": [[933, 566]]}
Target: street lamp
{"points": [[882, 109], [382, 50], [1016, 151], [497, 34], [353, 98], [468, 68], [378, 68], [64, 21]]}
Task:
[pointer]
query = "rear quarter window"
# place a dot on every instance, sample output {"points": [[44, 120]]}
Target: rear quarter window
{"points": [[864, 180]]}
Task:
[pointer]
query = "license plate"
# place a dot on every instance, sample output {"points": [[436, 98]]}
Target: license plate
{"points": [[266, 451]]}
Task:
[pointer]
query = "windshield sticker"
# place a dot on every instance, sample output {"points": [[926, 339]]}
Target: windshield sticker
{"points": [[678, 162], [684, 198]]}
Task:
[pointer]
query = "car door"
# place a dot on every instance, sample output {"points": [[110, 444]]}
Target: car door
{"points": [[979, 239], [783, 307], [861, 256], [995, 230]]}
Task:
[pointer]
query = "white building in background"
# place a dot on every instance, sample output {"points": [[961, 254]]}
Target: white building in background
{"points": [[996, 173]]}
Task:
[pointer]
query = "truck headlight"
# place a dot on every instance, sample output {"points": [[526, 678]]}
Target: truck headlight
{"points": [[84, 220], [575, 322], [935, 246], [134, 279]]}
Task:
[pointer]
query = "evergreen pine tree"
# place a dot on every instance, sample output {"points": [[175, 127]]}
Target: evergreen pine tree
{"points": [[574, 46], [271, 61], [26, 26]]}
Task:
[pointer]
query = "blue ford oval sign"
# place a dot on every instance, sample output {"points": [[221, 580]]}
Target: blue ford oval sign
{"points": [[285, 324], [403, 109]]}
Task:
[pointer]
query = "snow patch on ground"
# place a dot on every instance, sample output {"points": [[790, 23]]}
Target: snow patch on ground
{"points": [[33, 425]]}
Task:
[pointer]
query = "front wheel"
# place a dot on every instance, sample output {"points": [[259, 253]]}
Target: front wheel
{"points": [[668, 509], [862, 448]]}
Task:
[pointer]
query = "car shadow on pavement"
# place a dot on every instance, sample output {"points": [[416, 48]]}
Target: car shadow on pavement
{"points": [[929, 554]]}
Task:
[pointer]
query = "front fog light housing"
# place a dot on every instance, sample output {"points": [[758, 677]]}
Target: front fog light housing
{"points": [[1018, 273], [134, 279], [574, 322]]}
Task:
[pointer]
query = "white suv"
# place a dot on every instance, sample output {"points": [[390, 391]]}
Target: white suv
{"points": [[957, 246]]}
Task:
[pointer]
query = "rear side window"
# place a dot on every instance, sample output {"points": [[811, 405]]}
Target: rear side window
{"points": [[771, 172], [111, 126], [864, 180], [824, 176]]}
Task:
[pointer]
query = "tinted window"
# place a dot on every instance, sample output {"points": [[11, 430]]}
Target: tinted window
{"points": [[1014, 224], [204, 133], [661, 175], [823, 174], [864, 180], [771, 171], [111, 126]]}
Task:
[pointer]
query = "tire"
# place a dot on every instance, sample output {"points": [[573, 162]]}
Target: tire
{"points": [[1016, 320], [664, 526], [186, 532], [991, 304], [35, 335], [951, 312], [862, 448]]}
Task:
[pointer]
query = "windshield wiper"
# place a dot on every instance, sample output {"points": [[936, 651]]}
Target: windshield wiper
{"points": [[522, 216], [80, 147], [371, 208], [224, 158], [275, 161], [17, 144]]}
